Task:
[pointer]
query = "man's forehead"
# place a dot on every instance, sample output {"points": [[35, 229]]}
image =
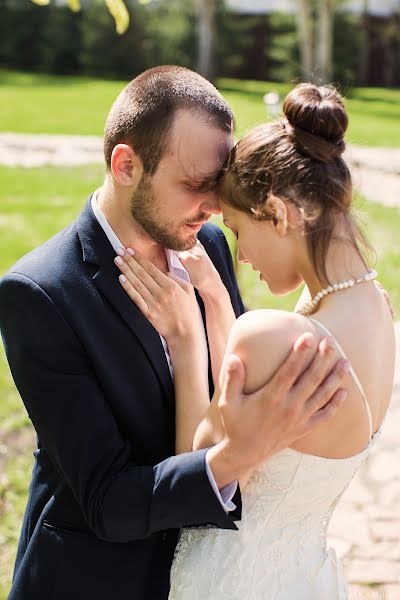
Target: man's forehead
{"points": [[198, 147]]}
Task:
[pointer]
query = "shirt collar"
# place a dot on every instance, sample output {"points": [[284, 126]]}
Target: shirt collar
{"points": [[174, 264]]}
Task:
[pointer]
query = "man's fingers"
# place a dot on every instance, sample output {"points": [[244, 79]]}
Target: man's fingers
{"points": [[321, 365], [387, 297], [328, 388], [297, 359], [328, 411], [233, 383]]}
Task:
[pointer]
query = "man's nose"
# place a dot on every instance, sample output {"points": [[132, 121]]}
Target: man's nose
{"points": [[240, 258], [210, 204]]}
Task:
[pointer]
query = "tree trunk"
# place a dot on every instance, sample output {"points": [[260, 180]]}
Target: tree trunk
{"points": [[305, 29], [364, 52], [324, 43], [206, 33]]}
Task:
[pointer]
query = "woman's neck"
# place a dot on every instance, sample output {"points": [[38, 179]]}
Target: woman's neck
{"points": [[343, 262]]}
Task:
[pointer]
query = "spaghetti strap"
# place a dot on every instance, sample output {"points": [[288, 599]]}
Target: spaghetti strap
{"points": [[351, 371]]}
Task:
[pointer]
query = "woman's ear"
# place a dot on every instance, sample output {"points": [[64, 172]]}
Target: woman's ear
{"points": [[277, 208], [295, 217], [126, 165]]}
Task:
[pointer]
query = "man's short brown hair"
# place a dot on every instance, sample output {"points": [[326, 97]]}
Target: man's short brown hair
{"points": [[143, 113]]}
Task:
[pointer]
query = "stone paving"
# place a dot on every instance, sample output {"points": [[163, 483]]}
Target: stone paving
{"points": [[365, 528], [376, 173]]}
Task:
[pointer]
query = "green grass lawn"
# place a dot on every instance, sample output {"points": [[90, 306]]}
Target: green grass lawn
{"points": [[36, 203], [32, 103]]}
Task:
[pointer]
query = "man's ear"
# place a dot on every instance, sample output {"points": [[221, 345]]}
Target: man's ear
{"points": [[126, 165]]}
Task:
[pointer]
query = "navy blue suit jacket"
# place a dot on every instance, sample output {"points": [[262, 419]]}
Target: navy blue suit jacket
{"points": [[107, 496]]}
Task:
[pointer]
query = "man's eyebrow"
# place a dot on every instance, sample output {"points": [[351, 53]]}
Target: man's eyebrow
{"points": [[208, 182]]}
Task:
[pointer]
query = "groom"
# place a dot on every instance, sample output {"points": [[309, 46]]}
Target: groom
{"points": [[107, 496]]}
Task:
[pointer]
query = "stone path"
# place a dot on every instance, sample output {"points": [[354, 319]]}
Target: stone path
{"points": [[365, 528], [26, 150], [376, 171]]}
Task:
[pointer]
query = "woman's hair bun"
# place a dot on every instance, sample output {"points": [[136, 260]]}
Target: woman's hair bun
{"points": [[316, 119]]}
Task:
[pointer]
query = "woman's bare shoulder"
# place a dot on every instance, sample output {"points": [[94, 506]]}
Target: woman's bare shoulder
{"points": [[282, 327], [263, 339]]}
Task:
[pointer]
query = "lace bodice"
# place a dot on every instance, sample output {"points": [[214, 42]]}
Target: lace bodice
{"points": [[279, 551]]}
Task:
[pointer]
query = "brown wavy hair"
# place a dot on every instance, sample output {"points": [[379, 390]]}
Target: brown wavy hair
{"points": [[298, 158]]}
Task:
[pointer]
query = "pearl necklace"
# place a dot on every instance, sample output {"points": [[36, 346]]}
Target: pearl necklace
{"points": [[309, 307]]}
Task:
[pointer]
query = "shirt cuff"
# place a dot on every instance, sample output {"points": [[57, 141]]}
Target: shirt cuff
{"points": [[224, 495]]}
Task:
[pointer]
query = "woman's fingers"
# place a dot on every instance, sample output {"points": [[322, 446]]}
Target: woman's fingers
{"points": [[140, 280], [185, 285], [145, 269], [134, 295]]}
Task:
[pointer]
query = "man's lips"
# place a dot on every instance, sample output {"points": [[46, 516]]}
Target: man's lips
{"points": [[196, 226]]}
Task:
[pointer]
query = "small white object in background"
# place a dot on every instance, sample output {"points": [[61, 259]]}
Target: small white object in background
{"points": [[271, 101]]}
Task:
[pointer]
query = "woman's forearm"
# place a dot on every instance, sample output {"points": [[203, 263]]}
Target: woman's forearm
{"points": [[191, 392], [219, 320], [192, 399]]}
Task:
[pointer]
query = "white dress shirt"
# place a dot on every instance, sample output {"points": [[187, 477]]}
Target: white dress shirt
{"points": [[175, 266]]}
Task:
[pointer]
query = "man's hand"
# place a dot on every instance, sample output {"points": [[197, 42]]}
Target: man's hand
{"points": [[387, 297], [260, 424]]}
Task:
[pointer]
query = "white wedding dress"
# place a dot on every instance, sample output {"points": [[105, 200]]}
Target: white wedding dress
{"points": [[280, 550]]}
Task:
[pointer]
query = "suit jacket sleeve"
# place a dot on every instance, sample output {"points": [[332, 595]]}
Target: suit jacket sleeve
{"points": [[121, 500]]}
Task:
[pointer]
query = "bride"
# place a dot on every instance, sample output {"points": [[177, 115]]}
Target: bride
{"points": [[286, 194]]}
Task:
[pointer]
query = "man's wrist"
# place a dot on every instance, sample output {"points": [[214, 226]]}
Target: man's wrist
{"points": [[225, 465], [228, 463], [224, 494]]}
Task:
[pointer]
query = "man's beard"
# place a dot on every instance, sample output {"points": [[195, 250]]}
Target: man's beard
{"points": [[148, 214]]}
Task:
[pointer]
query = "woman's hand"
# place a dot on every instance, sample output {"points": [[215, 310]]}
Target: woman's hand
{"points": [[168, 302], [203, 275], [217, 302]]}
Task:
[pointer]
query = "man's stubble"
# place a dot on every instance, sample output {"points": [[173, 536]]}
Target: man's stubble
{"points": [[146, 210]]}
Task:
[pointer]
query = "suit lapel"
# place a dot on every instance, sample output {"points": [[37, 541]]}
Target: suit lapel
{"points": [[98, 250], [203, 315]]}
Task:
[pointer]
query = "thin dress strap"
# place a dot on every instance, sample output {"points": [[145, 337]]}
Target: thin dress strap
{"points": [[351, 371]]}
